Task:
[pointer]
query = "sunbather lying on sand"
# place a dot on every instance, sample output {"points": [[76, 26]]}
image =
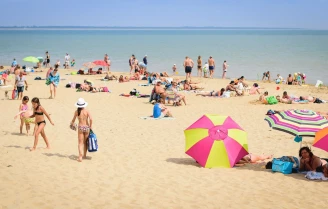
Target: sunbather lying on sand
{"points": [[212, 93], [290, 101], [135, 76], [188, 86], [312, 99], [123, 79], [252, 158], [110, 77]]}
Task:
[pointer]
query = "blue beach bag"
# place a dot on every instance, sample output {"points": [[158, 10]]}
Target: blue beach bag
{"points": [[282, 166], [92, 142]]}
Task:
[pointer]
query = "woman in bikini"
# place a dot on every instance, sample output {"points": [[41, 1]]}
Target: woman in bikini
{"points": [[38, 112], [199, 66], [47, 59], [84, 127], [188, 86], [310, 162], [213, 93]]}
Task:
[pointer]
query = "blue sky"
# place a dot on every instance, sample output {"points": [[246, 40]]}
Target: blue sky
{"points": [[310, 14]]}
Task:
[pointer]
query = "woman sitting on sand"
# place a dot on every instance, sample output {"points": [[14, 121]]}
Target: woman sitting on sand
{"points": [[242, 80], [255, 89], [188, 86], [212, 93], [178, 97], [310, 162], [252, 158]]}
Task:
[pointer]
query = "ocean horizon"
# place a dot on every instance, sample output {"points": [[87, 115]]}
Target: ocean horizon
{"points": [[248, 51]]}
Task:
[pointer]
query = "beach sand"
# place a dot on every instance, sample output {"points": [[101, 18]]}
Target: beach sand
{"points": [[142, 163]]}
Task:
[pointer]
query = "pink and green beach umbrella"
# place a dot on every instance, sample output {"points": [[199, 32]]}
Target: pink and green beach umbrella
{"points": [[216, 141], [297, 122]]}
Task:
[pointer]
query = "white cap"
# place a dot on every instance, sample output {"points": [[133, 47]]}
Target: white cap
{"points": [[146, 55], [174, 64]]}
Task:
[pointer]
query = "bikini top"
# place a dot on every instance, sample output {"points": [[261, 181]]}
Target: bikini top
{"points": [[38, 113]]}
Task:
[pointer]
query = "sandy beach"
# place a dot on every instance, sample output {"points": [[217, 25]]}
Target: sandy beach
{"points": [[142, 163]]}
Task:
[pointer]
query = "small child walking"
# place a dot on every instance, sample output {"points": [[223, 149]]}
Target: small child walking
{"points": [[24, 114]]}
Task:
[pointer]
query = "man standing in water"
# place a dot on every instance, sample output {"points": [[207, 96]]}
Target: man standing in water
{"points": [[67, 57], [225, 68], [145, 61], [106, 59], [211, 66], [188, 64]]}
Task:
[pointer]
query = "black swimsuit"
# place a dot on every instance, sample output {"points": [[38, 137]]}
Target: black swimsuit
{"points": [[39, 113]]}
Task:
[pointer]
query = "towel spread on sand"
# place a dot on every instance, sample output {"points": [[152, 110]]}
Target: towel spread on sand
{"points": [[5, 86], [315, 176], [152, 118]]}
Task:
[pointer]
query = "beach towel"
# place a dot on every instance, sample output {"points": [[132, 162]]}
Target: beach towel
{"points": [[152, 118], [5, 86], [144, 84], [53, 79], [315, 176], [140, 95]]}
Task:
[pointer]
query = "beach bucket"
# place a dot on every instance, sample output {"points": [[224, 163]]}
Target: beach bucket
{"points": [[319, 83]]}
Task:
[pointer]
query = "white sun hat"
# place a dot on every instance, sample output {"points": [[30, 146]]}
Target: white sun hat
{"points": [[81, 103]]}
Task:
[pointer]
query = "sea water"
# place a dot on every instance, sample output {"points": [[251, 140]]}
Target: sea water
{"points": [[248, 52]]}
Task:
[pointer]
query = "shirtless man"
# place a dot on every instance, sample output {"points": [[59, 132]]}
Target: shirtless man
{"points": [[131, 63], [158, 89], [290, 80], [188, 64], [211, 66], [106, 59], [224, 68]]}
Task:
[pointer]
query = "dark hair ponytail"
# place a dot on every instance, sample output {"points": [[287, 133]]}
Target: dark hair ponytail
{"points": [[79, 109]]}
